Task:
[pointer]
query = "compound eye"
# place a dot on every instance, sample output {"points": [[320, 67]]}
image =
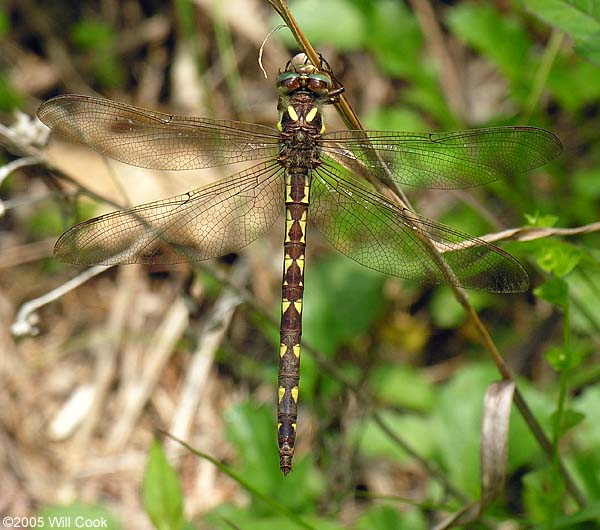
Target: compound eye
{"points": [[319, 84], [288, 82]]}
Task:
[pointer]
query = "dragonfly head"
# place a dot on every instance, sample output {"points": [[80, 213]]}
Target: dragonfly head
{"points": [[301, 75]]}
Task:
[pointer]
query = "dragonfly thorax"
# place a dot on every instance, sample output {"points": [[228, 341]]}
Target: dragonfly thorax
{"points": [[301, 126]]}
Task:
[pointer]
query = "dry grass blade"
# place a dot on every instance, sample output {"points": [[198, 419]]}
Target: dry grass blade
{"points": [[210, 336], [493, 453], [162, 347], [106, 354], [494, 440]]}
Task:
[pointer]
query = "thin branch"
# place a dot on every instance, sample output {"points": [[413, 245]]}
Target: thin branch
{"points": [[12, 166], [25, 323], [526, 233]]}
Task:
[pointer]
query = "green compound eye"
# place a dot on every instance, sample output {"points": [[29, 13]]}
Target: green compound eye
{"points": [[319, 83], [288, 81]]}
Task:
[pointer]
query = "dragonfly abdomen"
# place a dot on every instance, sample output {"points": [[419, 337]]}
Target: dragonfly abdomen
{"points": [[297, 187]]}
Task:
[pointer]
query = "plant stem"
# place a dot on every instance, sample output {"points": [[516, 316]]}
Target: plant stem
{"points": [[558, 419]]}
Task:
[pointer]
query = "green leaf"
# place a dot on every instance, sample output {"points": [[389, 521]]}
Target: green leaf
{"points": [[557, 257], [374, 442], [402, 386], [536, 485], [342, 300], [447, 313], [589, 47], [252, 431], [227, 517], [577, 520], [587, 182], [558, 358], [336, 23], [555, 291], [569, 419], [46, 221], [540, 220], [395, 119], [92, 35], [396, 41], [10, 99], [562, 359], [574, 83], [387, 517], [499, 37], [455, 426], [161, 490], [588, 402], [579, 18], [4, 24]]}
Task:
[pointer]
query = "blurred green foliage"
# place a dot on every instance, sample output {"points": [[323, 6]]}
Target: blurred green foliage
{"points": [[97, 39], [579, 18], [345, 304], [9, 98]]}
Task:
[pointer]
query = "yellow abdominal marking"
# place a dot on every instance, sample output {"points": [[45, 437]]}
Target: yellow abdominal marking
{"points": [[285, 304], [292, 113], [282, 350], [311, 114], [294, 426], [322, 131], [297, 350], [295, 394], [279, 126], [306, 192], [282, 393]]}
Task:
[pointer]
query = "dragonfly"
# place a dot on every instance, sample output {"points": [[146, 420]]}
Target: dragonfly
{"points": [[311, 175]]}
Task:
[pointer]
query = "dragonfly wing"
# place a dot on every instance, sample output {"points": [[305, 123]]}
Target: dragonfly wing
{"points": [[201, 224], [444, 160], [381, 235], [153, 139]]}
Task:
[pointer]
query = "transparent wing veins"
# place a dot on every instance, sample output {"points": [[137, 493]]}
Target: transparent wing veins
{"points": [[153, 139], [444, 160], [198, 225], [375, 232]]}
